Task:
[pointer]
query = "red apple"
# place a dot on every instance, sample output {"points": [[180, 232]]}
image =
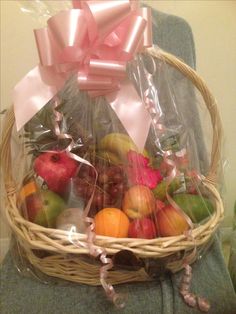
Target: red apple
{"points": [[159, 205], [143, 228], [31, 206], [138, 202], [170, 222], [56, 169]]}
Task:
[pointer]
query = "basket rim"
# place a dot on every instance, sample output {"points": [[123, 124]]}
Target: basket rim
{"points": [[37, 237]]}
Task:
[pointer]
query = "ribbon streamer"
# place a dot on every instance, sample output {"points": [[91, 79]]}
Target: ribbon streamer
{"points": [[93, 250], [190, 298], [94, 40]]}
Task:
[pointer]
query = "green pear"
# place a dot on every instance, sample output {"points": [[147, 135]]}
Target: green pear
{"points": [[196, 207]]}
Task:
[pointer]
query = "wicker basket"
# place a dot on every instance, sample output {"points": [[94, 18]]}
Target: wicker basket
{"points": [[67, 261]]}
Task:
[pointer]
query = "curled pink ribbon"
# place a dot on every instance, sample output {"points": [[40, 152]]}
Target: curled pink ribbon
{"points": [[94, 40], [94, 251], [190, 298]]}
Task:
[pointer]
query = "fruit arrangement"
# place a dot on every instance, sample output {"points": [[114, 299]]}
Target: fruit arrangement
{"points": [[129, 191], [111, 153]]}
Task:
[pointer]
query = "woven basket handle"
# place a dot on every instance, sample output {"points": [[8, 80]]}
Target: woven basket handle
{"points": [[171, 60]]}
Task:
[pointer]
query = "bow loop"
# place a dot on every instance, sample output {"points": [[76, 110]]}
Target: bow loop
{"points": [[133, 37], [103, 17], [68, 28]]}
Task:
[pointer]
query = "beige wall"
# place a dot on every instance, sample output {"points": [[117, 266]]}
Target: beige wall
{"points": [[214, 27]]}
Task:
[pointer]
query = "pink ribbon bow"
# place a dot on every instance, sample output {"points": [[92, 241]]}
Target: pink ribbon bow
{"points": [[95, 40]]}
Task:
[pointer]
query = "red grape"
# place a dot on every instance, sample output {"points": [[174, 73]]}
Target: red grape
{"points": [[110, 187], [107, 200], [98, 199], [114, 190], [112, 171], [103, 178], [117, 178]]}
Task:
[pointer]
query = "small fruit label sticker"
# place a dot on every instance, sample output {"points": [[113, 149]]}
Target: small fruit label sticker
{"points": [[41, 183]]}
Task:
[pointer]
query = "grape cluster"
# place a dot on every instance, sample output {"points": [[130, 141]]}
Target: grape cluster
{"points": [[109, 189]]}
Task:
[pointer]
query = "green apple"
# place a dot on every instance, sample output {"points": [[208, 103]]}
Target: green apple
{"points": [[44, 207]]}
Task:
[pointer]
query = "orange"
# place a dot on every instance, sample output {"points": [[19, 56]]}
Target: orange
{"points": [[28, 189], [111, 222]]}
